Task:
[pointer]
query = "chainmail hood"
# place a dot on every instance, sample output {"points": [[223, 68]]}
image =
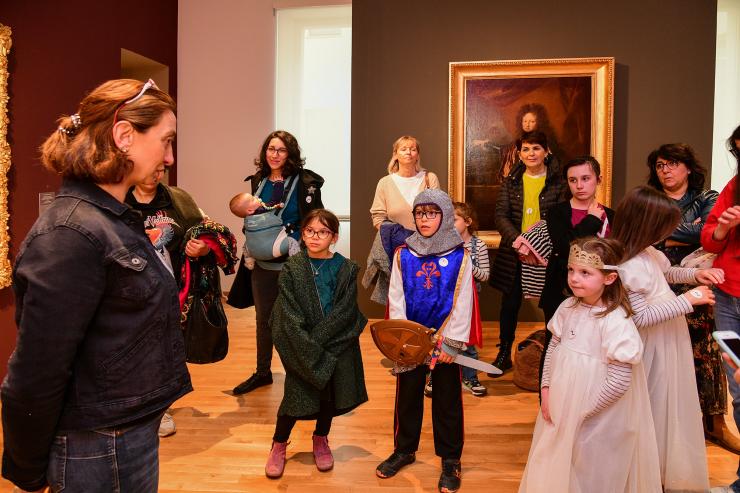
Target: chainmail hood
{"points": [[446, 238]]}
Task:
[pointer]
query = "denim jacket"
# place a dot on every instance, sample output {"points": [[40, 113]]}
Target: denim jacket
{"points": [[99, 338]]}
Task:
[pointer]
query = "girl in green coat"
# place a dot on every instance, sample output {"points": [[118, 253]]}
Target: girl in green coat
{"points": [[316, 326]]}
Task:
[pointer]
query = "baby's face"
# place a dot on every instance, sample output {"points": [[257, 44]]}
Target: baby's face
{"points": [[251, 204]]}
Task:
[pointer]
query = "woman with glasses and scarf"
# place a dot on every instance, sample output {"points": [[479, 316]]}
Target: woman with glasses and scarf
{"points": [[675, 170], [100, 352], [281, 182]]}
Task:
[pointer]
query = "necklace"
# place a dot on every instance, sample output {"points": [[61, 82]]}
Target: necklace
{"points": [[316, 271], [271, 207]]}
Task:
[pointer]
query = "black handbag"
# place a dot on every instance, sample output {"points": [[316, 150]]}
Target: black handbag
{"points": [[240, 295], [206, 331]]}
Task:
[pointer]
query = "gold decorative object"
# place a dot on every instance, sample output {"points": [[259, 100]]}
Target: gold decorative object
{"points": [[5, 268], [490, 103]]}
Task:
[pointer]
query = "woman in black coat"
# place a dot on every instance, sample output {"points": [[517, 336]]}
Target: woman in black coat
{"points": [[533, 186]]}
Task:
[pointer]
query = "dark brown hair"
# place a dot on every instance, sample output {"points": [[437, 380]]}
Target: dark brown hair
{"points": [[293, 162], [610, 251], [732, 146], [325, 217], [578, 161], [86, 150], [468, 214], [534, 137], [682, 153], [644, 217]]}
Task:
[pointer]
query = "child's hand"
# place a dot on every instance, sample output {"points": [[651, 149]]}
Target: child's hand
{"points": [[545, 405], [445, 358], [700, 295], [709, 277]]}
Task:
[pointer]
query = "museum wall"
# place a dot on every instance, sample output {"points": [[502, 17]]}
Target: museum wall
{"points": [[60, 51], [664, 81]]}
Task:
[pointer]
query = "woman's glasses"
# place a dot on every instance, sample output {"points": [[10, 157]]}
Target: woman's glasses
{"points": [[321, 233], [428, 214], [661, 165], [280, 151]]}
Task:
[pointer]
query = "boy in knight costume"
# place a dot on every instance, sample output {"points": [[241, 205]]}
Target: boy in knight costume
{"points": [[431, 284]]}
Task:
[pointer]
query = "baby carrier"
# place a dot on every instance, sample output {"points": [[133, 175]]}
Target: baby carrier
{"points": [[267, 238]]}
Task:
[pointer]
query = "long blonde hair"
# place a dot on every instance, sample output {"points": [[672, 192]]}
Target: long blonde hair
{"points": [[393, 163]]}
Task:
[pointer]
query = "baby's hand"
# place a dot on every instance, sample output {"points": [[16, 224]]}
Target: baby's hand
{"points": [[249, 263]]}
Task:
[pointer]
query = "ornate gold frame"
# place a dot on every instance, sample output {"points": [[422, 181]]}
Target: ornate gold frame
{"points": [[601, 71], [5, 268]]}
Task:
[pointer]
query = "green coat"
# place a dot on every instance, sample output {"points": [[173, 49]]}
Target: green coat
{"points": [[317, 350]]}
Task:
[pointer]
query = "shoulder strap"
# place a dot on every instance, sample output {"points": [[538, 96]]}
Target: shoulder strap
{"points": [[290, 187], [426, 179]]}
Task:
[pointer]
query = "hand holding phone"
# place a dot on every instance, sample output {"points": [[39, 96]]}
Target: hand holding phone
{"points": [[729, 341]]}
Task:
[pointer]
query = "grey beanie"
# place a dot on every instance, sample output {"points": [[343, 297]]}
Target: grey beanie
{"points": [[446, 238]]}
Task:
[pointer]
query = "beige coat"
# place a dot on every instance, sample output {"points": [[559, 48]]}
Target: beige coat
{"points": [[389, 204]]}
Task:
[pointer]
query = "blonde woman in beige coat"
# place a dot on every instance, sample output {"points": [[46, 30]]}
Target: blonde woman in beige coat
{"points": [[396, 192]]}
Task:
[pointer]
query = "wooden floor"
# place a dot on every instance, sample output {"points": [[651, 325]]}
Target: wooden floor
{"points": [[222, 441]]}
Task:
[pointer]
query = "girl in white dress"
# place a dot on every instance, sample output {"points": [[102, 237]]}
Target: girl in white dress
{"points": [[594, 432], [644, 217]]}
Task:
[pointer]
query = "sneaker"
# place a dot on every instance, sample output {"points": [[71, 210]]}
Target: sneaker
{"points": [[449, 480], [390, 467], [167, 426], [428, 387], [276, 460], [253, 382], [474, 387], [322, 454]]}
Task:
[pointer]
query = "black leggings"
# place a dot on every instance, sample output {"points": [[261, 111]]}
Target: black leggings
{"points": [[285, 424]]}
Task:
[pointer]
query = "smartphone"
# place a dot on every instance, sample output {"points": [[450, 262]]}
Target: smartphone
{"points": [[729, 341]]}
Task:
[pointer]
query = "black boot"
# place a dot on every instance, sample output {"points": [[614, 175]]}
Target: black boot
{"points": [[503, 359]]}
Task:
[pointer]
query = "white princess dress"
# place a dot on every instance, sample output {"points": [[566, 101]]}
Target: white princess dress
{"points": [[612, 451], [669, 367]]}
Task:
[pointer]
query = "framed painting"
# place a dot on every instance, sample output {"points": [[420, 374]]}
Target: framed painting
{"points": [[493, 103], [5, 268]]}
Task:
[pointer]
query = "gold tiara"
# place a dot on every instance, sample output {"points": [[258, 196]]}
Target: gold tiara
{"points": [[580, 257]]}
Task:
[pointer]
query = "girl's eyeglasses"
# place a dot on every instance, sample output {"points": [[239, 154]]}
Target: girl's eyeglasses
{"points": [[321, 233]]}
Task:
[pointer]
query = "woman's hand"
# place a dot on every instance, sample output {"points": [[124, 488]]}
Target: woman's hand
{"points": [[729, 218], [700, 295], [545, 405], [196, 248], [709, 277]]}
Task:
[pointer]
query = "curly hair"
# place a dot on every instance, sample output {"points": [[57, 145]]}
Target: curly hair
{"points": [[83, 147], [682, 153], [293, 163], [539, 111]]}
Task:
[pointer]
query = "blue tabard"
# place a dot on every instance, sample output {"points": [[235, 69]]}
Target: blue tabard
{"points": [[429, 285]]}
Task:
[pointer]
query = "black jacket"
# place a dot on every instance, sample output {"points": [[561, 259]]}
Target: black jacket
{"points": [[99, 337], [509, 206], [562, 232], [309, 197]]}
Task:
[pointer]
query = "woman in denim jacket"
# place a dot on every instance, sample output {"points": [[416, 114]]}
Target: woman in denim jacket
{"points": [[100, 352], [675, 170]]}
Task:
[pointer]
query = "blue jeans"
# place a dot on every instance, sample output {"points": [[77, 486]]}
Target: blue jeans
{"points": [[470, 373], [727, 317], [112, 460]]}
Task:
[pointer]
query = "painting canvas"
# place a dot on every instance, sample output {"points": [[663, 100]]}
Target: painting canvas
{"points": [[493, 103]]}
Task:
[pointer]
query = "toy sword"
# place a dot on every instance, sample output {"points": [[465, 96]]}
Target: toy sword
{"points": [[408, 343]]}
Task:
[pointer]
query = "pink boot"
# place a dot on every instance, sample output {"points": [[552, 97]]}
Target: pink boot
{"points": [[322, 454], [276, 460]]}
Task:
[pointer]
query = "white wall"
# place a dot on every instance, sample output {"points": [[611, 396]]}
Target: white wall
{"points": [[226, 67]]}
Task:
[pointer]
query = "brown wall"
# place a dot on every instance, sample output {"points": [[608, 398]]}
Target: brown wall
{"points": [[61, 50], [664, 80]]}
